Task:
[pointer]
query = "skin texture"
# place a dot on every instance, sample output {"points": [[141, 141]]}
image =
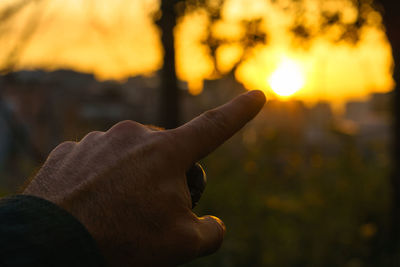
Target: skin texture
{"points": [[128, 185]]}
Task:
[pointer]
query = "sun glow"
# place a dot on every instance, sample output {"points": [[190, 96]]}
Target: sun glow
{"points": [[287, 79], [119, 40]]}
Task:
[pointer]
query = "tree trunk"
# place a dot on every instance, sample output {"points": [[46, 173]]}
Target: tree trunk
{"points": [[169, 111], [392, 23]]}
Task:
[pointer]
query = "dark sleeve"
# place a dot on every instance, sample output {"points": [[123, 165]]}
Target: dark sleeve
{"points": [[36, 232]]}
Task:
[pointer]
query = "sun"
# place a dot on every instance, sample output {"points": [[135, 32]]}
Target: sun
{"points": [[287, 79]]}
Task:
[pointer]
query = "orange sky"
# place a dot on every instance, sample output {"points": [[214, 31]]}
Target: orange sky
{"points": [[117, 39]]}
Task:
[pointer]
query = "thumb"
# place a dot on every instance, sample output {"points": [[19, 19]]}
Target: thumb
{"points": [[212, 231]]}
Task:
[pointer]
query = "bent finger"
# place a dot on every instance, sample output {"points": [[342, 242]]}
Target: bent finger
{"points": [[212, 231]]}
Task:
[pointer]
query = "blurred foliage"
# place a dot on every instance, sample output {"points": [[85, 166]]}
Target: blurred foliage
{"points": [[288, 200], [253, 34], [336, 21], [287, 204]]}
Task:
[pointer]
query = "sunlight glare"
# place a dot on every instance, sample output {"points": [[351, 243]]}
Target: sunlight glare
{"points": [[287, 79]]}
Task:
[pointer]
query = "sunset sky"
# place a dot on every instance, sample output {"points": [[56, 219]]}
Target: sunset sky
{"points": [[117, 39]]}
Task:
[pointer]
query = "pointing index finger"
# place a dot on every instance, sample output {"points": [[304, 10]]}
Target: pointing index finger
{"points": [[202, 135]]}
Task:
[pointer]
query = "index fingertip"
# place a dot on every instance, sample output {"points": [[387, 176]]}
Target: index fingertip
{"points": [[257, 95]]}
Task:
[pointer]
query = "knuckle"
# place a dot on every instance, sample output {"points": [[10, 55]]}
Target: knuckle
{"points": [[63, 148], [93, 135], [126, 127], [68, 145]]}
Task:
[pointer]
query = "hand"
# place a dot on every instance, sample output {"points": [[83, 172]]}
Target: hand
{"points": [[128, 185]]}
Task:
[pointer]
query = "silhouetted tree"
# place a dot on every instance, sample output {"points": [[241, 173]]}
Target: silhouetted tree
{"points": [[15, 127], [391, 17], [26, 34], [303, 32], [170, 95], [171, 11]]}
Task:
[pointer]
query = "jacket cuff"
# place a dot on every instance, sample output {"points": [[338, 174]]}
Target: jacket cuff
{"points": [[36, 232]]}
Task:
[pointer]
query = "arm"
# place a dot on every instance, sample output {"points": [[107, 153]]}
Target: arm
{"points": [[128, 187], [36, 232]]}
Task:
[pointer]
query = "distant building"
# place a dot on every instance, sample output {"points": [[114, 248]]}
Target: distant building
{"points": [[372, 117], [214, 93], [65, 105], [319, 124]]}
